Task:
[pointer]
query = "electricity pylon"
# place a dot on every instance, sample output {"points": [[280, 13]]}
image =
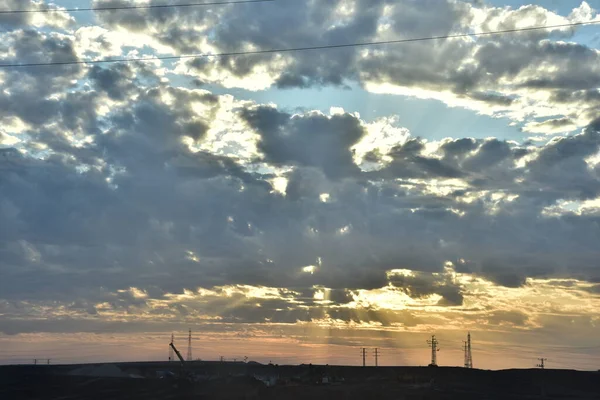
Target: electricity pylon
{"points": [[433, 343]]}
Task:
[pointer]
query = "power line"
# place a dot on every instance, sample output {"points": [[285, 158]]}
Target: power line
{"points": [[295, 49], [140, 7]]}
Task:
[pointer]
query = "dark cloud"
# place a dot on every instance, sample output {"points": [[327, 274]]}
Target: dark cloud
{"points": [[422, 285], [502, 274], [384, 317], [489, 154], [340, 296], [458, 148], [30, 93], [309, 140], [115, 81], [561, 168], [493, 98], [594, 289], [407, 162], [573, 76]]}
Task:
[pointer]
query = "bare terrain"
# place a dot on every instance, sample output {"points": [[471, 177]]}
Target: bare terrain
{"points": [[213, 380]]}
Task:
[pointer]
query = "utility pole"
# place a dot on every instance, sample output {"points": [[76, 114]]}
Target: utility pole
{"points": [[364, 356], [433, 343], [189, 352], [469, 354], [48, 361], [35, 361], [543, 377], [171, 349], [376, 357]]}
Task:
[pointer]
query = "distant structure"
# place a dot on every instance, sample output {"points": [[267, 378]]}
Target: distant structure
{"points": [[171, 349], [189, 352], [468, 355], [364, 356], [433, 343], [541, 364], [376, 353]]}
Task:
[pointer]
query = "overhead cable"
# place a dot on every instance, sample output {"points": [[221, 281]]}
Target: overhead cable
{"points": [[294, 49], [138, 7]]}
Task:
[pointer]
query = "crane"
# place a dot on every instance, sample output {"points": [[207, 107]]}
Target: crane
{"points": [[178, 353], [186, 378], [184, 374]]}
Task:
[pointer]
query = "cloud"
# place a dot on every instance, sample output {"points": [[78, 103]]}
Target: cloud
{"points": [[564, 157], [125, 194], [314, 139], [137, 182], [56, 19], [528, 71], [511, 317], [418, 285], [555, 125], [408, 162]]}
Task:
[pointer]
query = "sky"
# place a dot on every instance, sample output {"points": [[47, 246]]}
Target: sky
{"points": [[296, 207]]}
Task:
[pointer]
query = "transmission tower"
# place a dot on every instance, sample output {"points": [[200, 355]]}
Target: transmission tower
{"points": [[433, 343], [189, 352], [466, 354], [541, 364], [469, 354], [171, 349]]}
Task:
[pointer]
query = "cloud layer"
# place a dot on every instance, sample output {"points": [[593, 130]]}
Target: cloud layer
{"points": [[126, 194], [530, 77]]}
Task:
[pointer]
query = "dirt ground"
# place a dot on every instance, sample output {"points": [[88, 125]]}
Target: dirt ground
{"points": [[300, 382]]}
